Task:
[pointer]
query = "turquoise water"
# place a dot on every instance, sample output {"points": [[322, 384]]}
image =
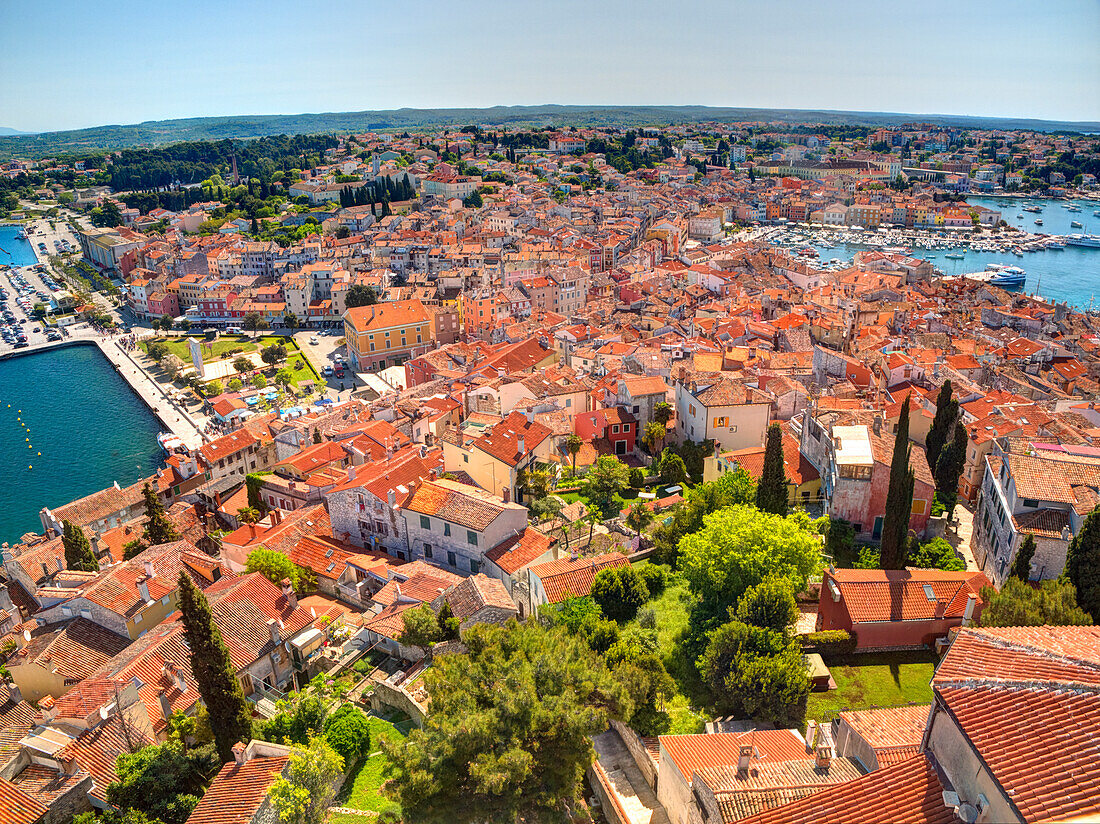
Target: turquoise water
{"points": [[89, 426], [13, 251], [1071, 275]]}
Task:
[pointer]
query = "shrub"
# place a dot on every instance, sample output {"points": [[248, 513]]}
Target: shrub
{"points": [[637, 478], [647, 618], [655, 578], [619, 592], [830, 642]]}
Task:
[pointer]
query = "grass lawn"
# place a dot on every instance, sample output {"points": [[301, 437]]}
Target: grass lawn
{"points": [[362, 788], [222, 346], [671, 610], [884, 679]]}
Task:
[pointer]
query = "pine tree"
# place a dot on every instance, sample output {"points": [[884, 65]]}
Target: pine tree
{"points": [[1021, 567], [771, 492], [78, 552], [158, 529], [230, 718], [1083, 565], [899, 499], [947, 410]]}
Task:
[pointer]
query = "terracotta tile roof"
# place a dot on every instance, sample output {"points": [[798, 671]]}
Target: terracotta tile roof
{"points": [[420, 587], [566, 578], [1028, 699], [19, 806], [387, 315], [909, 791], [101, 504], [390, 622], [691, 753], [16, 720], [87, 697], [237, 791], [460, 504], [75, 651], [768, 784], [516, 552], [478, 592], [1046, 478], [96, 750], [502, 442], [889, 728], [44, 784], [900, 595], [796, 466], [227, 445]]}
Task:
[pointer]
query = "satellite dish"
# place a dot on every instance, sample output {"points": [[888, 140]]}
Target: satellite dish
{"points": [[27, 635], [968, 813]]}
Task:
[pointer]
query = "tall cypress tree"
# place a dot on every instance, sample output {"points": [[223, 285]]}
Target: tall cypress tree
{"points": [[947, 410], [1021, 566], [230, 718], [78, 552], [1083, 565], [771, 492], [949, 468], [158, 530], [899, 499]]}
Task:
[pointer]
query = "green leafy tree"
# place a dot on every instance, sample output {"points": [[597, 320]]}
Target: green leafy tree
{"points": [[755, 672], [284, 377], [235, 384], [947, 412], [78, 551], [214, 388], [304, 793], [1021, 564], [662, 413], [254, 485], [421, 627], [671, 468], [273, 565], [254, 322], [271, 355], [259, 381], [654, 437], [536, 483], [133, 548], [899, 498], [949, 468], [347, 731], [508, 737], [230, 718], [163, 781], [771, 492], [297, 720], [619, 592], [574, 443], [730, 489], [936, 553], [1083, 564], [290, 321], [360, 295], [637, 665], [769, 605], [1020, 604], [158, 529], [607, 478], [739, 547]]}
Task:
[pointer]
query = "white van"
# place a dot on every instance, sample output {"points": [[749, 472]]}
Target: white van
{"points": [[233, 330]]}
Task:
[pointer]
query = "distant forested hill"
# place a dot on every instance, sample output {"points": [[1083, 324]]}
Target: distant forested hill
{"points": [[162, 132]]}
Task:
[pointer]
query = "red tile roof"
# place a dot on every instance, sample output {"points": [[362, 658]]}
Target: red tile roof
{"points": [[516, 552], [566, 578], [460, 504], [74, 652], [236, 793], [909, 791], [19, 807], [476, 593], [690, 753], [1028, 699], [502, 442], [900, 595]]}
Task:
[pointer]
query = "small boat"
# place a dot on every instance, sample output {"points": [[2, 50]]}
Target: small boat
{"points": [[169, 442], [1076, 224], [954, 256], [1039, 221], [1019, 215]]}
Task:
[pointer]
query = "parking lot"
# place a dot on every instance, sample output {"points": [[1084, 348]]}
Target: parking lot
{"points": [[20, 290]]}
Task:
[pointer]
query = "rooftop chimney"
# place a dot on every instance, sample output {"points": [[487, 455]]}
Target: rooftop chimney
{"points": [[165, 706], [530, 415], [288, 591], [521, 443], [239, 753], [744, 757], [968, 615], [273, 628], [351, 472], [823, 757], [149, 570], [877, 425], [143, 591], [391, 496], [14, 692]]}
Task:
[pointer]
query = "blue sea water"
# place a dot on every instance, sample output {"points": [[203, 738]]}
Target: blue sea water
{"points": [[13, 250], [69, 426], [1070, 275]]}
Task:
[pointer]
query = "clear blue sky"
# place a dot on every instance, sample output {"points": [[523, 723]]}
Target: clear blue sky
{"points": [[78, 63]]}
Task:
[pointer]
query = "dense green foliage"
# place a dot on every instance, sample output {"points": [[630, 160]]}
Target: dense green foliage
{"points": [[508, 735], [739, 547], [1083, 564], [607, 477], [949, 468], [230, 717], [671, 468], [1019, 604], [78, 551], [947, 412], [158, 529], [423, 627], [302, 795], [830, 642], [1021, 564], [731, 489], [771, 491], [899, 498], [757, 673], [163, 781], [768, 605], [275, 566], [347, 731], [619, 592]]}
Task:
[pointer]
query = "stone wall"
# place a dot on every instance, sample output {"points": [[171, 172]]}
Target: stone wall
{"points": [[638, 751]]}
